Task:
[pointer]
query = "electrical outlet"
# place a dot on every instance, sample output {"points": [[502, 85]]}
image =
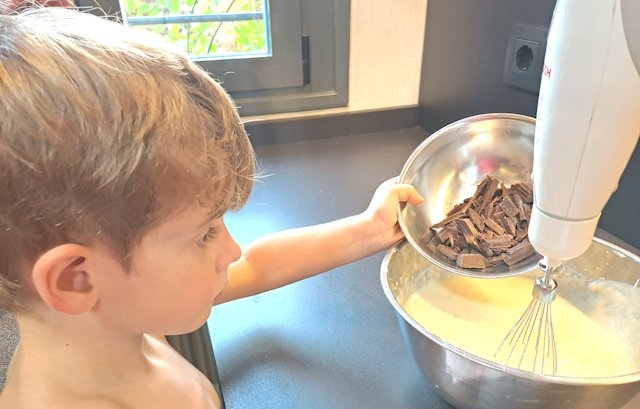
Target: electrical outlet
{"points": [[525, 57]]}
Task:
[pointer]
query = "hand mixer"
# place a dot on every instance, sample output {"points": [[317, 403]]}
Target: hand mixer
{"points": [[588, 122]]}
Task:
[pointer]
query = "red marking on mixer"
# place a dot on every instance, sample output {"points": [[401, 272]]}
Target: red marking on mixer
{"points": [[546, 71]]}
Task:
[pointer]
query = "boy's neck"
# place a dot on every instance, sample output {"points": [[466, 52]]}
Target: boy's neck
{"points": [[64, 351]]}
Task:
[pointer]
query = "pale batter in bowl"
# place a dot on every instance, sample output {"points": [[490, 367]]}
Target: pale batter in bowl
{"points": [[596, 321]]}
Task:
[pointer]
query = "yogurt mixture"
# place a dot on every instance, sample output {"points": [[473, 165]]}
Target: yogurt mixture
{"points": [[596, 322]]}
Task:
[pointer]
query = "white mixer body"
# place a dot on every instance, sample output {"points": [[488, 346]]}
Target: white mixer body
{"points": [[588, 121]]}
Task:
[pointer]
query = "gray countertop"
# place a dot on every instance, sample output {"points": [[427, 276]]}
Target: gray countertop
{"points": [[331, 341]]}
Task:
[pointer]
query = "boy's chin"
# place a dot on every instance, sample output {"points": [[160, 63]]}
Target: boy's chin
{"points": [[191, 326]]}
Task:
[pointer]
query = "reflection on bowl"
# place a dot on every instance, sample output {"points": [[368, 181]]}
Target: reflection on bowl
{"points": [[452, 363], [447, 167]]}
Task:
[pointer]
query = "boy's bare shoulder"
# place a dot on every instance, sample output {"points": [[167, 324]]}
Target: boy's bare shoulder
{"points": [[198, 401], [183, 385], [100, 403], [172, 382], [36, 402]]}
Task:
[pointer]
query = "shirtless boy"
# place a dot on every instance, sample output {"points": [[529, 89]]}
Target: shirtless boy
{"points": [[118, 161]]}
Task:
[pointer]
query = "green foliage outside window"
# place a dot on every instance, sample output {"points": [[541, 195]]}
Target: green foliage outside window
{"points": [[205, 38]]}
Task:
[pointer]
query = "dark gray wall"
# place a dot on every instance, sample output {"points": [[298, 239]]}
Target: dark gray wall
{"points": [[621, 216], [464, 51], [465, 48]]}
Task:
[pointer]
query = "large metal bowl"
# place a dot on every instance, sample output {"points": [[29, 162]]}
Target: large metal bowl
{"points": [[470, 382], [447, 167]]}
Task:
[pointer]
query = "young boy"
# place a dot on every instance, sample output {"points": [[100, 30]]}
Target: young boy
{"points": [[118, 160]]}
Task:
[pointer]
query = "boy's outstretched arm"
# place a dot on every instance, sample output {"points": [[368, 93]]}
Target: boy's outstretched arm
{"points": [[288, 256]]}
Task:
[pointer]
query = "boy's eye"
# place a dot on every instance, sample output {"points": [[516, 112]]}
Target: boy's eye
{"points": [[210, 235]]}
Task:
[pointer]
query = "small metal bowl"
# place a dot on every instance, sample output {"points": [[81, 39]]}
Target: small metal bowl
{"points": [[447, 167]]}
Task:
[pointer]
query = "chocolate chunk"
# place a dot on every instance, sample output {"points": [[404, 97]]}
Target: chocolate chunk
{"points": [[478, 195], [432, 243], [525, 190], [455, 239], [484, 249], [471, 241], [510, 225], [498, 214], [490, 223], [471, 261], [518, 252], [462, 242], [495, 260], [509, 208], [500, 242], [521, 235], [517, 199], [448, 252], [457, 208], [466, 226], [475, 218], [443, 234], [448, 220], [488, 193]]}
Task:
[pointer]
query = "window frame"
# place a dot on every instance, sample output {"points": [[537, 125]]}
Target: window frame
{"points": [[322, 65]]}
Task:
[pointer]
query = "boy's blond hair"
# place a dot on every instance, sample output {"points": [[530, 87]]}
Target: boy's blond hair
{"points": [[104, 133]]}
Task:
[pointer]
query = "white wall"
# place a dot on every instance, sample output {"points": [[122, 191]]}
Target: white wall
{"points": [[385, 56]]}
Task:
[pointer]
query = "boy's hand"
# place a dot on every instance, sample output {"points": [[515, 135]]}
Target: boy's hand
{"points": [[382, 213]]}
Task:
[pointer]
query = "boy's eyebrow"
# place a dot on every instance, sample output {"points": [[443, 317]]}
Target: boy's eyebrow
{"points": [[211, 216]]}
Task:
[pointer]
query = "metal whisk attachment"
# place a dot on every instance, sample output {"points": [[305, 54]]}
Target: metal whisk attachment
{"points": [[532, 335]]}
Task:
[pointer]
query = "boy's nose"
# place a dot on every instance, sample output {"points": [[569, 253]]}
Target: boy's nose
{"points": [[236, 252], [232, 250]]}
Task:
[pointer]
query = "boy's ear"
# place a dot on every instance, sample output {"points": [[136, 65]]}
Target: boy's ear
{"points": [[63, 280]]}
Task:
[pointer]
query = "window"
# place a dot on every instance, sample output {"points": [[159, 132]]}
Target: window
{"points": [[206, 29], [271, 55]]}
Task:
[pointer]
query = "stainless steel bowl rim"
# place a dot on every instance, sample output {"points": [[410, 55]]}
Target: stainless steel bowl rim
{"points": [[611, 380], [403, 176]]}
